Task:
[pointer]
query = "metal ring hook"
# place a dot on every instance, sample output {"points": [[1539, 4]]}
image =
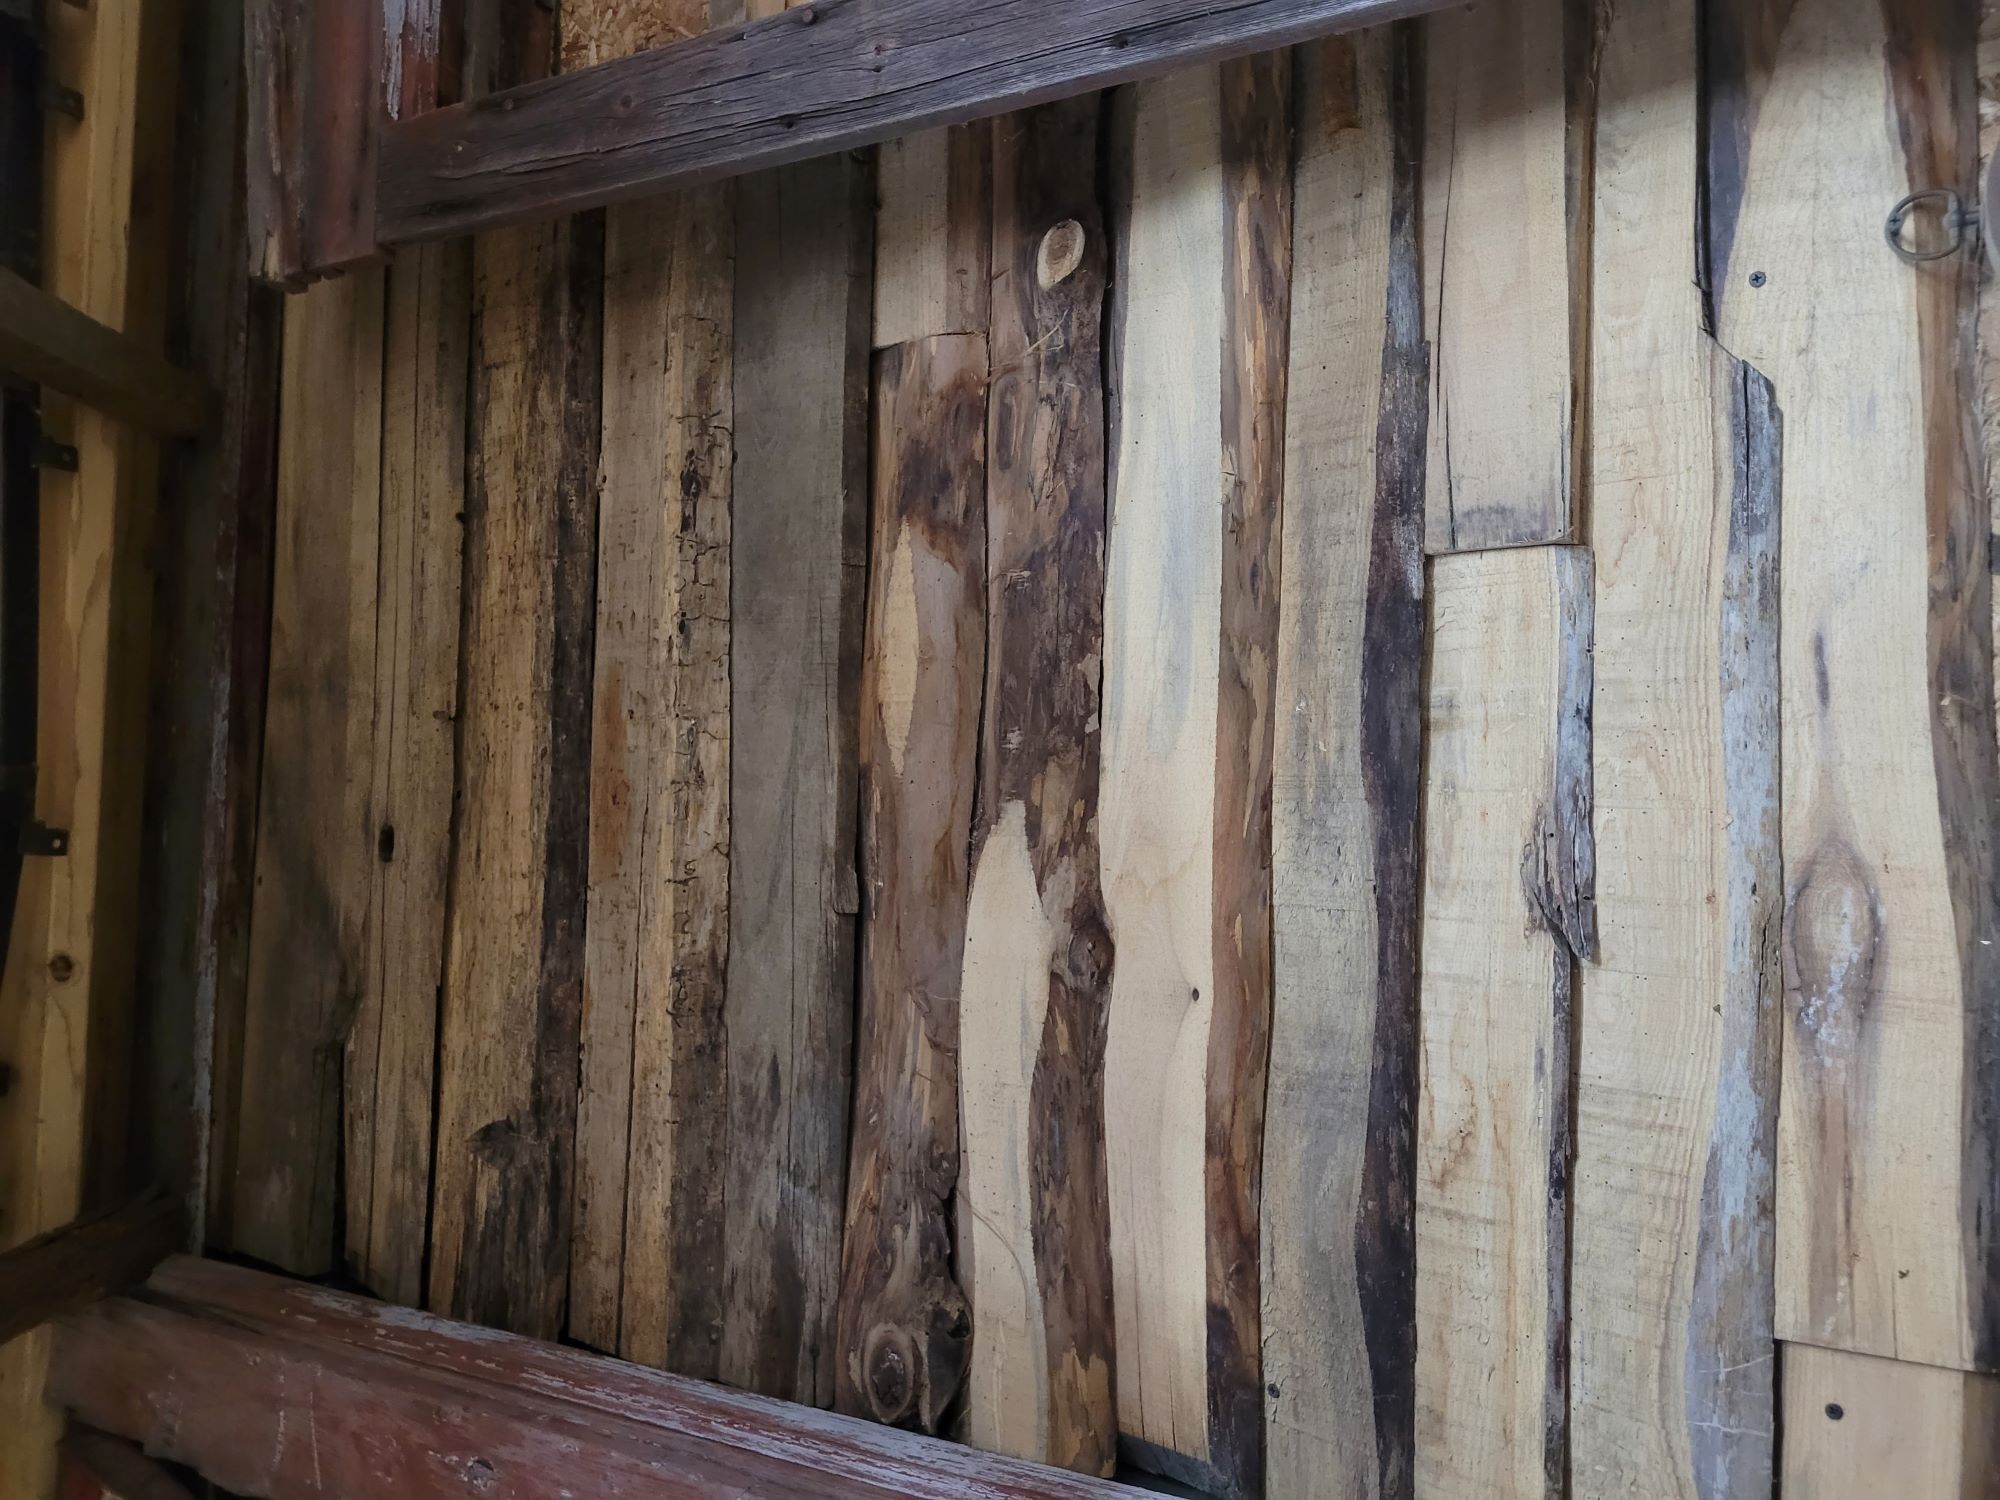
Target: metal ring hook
{"points": [[1953, 218]]}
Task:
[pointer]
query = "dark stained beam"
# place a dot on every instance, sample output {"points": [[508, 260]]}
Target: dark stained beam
{"points": [[815, 79], [74, 1266], [278, 1389], [49, 343]]}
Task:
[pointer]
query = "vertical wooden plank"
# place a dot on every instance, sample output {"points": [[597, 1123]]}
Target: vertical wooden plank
{"points": [[1506, 248], [932, 247], [513, 979], [1507, 908], [803, 239], [1671, 1357], [903, 1323], [1190, 622], [389, 1085], [1340, 1137], [1033, 1212], [315, 846], [1857, 1426], [1890, 1133]]}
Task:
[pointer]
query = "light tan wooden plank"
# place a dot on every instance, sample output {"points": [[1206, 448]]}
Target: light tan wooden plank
{"points": [[1339, 1315], [1508, 887], [1504, 243], [66, 996], [392, 1048], [932, 245], [803, 238], [1887, 1188], [1037, 953], [1671, 1370], [315, 843], [1858, 1427]]}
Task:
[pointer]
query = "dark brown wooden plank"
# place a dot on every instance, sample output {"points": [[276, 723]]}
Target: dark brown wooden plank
{"points": [[50, 343], [1033, 1209], [816, 79], [275, 1389], [903, 1323], [71, 1267], [803, 236]]}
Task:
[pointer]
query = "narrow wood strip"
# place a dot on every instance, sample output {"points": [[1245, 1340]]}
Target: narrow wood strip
{"points": [[74, 1266], [501, 1195], [49, 343], [786, 87], [933, 241], [803, 239], [1857, 1427], [1033, 1211], [1340, 1134], [315, 846], [1505, 247], [1891, 1137], [279, 1389], [1671, 1372], [1507, 795], [391, 1056], [904, 1324]]}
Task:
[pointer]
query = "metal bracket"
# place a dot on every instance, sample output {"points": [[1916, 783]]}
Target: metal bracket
{"points": [[60, 98], [1959, 218], [49, 454], [39, 841]]}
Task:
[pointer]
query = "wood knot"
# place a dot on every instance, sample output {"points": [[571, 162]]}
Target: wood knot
{"points": [[1059, 254], [890, 1360]]}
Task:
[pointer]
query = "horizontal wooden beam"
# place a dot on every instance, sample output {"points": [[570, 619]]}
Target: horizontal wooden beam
{"points": [[72, 1267], [46, 341], [278, 1389], [814, 79]]}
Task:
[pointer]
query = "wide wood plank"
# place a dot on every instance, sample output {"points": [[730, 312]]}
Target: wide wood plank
{"points": [[1506, 251], [389, 1085], [49, 343], [315, 846], [1508, 904], [903, 1324], [1890, 1136], [1857, 1426], [788, 86], [1190, 624], [1339, 1312], [1670, 1303], [799, 547], [277, 1389], [1034, 1246]]}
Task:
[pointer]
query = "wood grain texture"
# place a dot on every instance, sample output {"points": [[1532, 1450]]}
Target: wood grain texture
{"points": [[71, 1267], [595, 31], [1890, 1139], [1338, 1289], [652, 1126], [1190, 627], [803, 237], [1034, 1247], [801, 83], [509, 1033], [1508, 887], [1670, 1310], [279, 1389], [1506, 247], [315, 845], [933, 240], [903, 1324], [1857, 1426], [389, 1083]]}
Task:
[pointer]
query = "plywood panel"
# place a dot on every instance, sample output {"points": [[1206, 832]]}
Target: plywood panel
{"points": [[1889, 1139], [1508, 905], [1506, 250], [802, 318], [1671, 1372], [1339, 1313], [315, 846], [1033, 1215], [1856, 1427]]}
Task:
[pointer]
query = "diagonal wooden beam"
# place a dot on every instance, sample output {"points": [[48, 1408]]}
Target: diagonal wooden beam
{"points": [[814, 79], [46, 341], [72, 1267]]}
